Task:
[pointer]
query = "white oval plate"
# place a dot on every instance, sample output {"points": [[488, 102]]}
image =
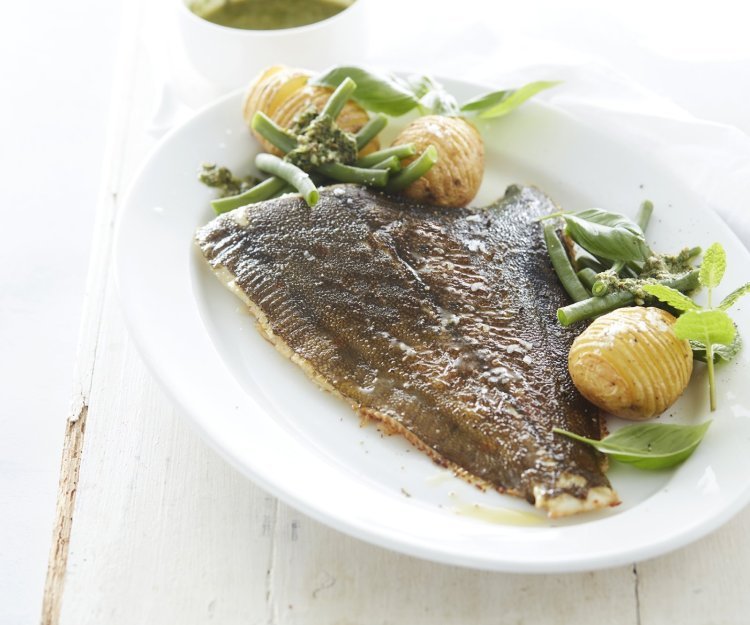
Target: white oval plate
{"points": [[304, 446]]}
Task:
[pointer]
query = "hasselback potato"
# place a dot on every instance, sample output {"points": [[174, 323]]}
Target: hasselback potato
{"points": [[630, 363], [282, 93], [455, 179]]}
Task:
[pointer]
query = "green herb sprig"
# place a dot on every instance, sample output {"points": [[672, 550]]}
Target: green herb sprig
{"points": [[710, 330], [614, 249], [386, 93], [649, 445], [605, 234]]}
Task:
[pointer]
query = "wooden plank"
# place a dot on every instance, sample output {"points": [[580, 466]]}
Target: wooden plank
{"points": [[705, 583], [322, 576], [164, 530], [135, 540], [91, 319]]}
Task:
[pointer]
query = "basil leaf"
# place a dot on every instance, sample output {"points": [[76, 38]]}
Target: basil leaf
{"points": [[713, 266], [721, 352], [732, 298], [670, 296], [418, 84], [380, 93], [439, 102], [650, 445], [707, 326], [433, 98], [607, 235], [500, 103]]}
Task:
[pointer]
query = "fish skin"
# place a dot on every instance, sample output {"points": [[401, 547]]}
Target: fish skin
{"points": [[440, 323]]}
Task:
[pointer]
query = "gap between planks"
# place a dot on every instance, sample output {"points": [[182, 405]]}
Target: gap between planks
{"points": [[66, 496], [636, 594]]}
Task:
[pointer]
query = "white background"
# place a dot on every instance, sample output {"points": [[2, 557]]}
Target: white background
{"points": [[56, 64]]}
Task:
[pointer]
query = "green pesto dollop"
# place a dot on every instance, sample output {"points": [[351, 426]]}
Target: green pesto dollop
{"points": [[266, 14], [222, 179], [656, 269], [662, 266], [320, 141]]}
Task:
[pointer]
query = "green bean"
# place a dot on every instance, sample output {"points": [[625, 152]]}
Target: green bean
{"points": [[370, 130], [286, 189], [414, 170], [273, 133], [600, 288], [562, 266], [358, 175], [634, 268], [587, 276], [595, 306], [693, 252], [399, 151], [584, 259], [644, 214], [338, 98], [261, 191], [291, 174], [392, 164], [617, 267]]}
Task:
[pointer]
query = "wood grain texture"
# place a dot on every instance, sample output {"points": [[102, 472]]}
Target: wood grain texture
{"points": [[90, 325], [321, 576], [164, 530], [705, 583]]}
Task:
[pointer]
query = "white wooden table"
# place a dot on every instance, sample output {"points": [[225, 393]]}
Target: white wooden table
{"points": [[153, 528]]}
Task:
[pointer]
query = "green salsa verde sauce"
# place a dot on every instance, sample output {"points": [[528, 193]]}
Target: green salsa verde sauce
{"points": [[268, 14]]}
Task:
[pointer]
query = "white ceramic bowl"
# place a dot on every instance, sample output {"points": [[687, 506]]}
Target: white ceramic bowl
{"points": [[231, 57]]}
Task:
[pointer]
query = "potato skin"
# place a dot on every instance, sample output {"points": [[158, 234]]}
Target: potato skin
{"points": [[282, 93], [455, 178], [630, 363]]}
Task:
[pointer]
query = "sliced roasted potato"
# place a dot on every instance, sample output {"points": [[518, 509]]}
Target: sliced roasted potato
{"points": [[282, 93], [630, 363], [455, 179]]}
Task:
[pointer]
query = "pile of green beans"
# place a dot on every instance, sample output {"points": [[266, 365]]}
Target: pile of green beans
{"points": [[381, 169], [590, 294]]}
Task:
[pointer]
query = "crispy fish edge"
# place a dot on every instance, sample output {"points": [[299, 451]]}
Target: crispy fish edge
{"points": [[557, 506]]}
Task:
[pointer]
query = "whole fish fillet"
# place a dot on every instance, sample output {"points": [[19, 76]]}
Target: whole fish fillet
{"points": [[439, 323]]}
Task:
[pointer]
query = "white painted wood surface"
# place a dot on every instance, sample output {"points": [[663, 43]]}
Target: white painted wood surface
{"points": [[53, 118], [164, 531]]}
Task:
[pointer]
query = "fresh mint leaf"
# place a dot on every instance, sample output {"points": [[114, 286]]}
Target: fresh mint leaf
{"points": [[713, 266], [498, 103], [720, 352], [706, 326], [732, 298], [650, 445], [709, 327], [671, 297]]}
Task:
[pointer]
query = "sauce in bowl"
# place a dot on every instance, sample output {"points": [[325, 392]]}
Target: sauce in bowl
{"points": [[268, 14]]}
